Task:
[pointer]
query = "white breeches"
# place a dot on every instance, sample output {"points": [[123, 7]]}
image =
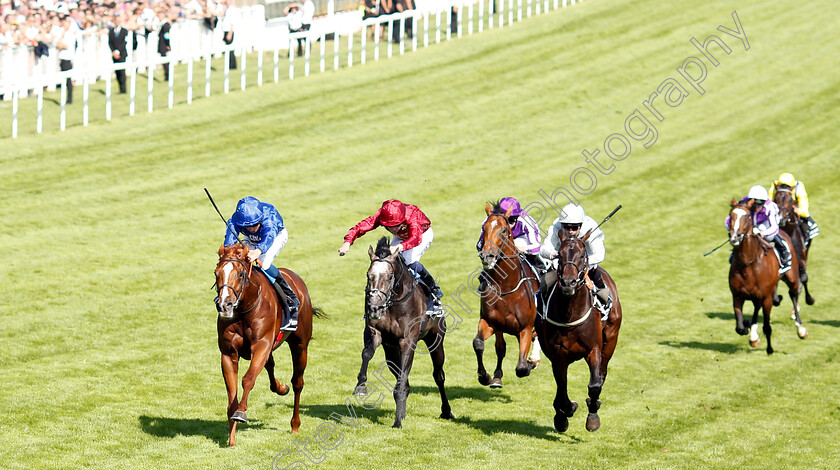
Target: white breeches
{"points": [[279, 242], [414, 254]]}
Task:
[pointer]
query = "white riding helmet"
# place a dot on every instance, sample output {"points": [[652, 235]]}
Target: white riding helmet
{"points": [[572, 214], [758, 192]]}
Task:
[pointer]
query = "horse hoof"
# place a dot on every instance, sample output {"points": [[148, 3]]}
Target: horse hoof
{"points": [[769, 350], [572, 412], [593, 422], [534, 364], [282, 389], [742, 331], [754, 343], [777, 300], [397, 425], [360, 390], [239, 417], [809, 300], [447, 415], [523, 372], [496, 383], [484, 379], [801, 331], [561, 423]]}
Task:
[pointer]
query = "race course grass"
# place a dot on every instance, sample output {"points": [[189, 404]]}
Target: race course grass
{"points": [[109, 246]]}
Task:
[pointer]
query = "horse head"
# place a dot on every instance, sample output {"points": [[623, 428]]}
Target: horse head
{"points": [[233, 273], [497, 236], [740, 223], [784, 199], [572, 264], [382, 279]]}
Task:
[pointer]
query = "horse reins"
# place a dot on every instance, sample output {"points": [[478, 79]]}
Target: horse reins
{"points": [[246, 273], [578, 283], [389, 295]]}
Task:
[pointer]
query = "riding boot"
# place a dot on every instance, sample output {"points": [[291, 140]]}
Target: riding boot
{"points": [[813, 229], [427, 279], [784, 253], [284, 290], [548, 279], [601, 290], [536, 261]]}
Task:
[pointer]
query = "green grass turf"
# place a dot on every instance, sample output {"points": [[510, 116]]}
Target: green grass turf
{"points": [[109, 246]]}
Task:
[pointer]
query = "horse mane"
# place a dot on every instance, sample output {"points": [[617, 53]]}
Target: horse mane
{"points": [[236, 250], [383, 248], [497, 207]]}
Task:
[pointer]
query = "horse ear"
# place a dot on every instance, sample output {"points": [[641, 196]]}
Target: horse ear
{"points": [[488, 208], [560, 234], [370, 252], [221, 250], [507, 212], [732, 203]]}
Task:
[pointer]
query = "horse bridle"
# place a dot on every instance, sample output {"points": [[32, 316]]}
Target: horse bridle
{"points": [[578, 282], [246, 275], [748, 233], [389, 302]]}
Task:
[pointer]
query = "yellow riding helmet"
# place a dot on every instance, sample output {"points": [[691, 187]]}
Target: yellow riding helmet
{"points": [[787, 179]]}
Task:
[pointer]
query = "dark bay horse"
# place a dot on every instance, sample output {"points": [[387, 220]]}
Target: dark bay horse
{"points": [[754, 274], [572, 329], [249, 327], [395, 316], [792, 225], [507, 304]]}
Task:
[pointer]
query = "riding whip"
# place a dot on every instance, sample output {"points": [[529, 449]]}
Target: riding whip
{"points": [[223, 217], [608, 217], [716, 248]]}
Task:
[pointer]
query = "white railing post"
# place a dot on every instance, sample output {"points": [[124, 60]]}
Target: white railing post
{"points": [[189, 79], [243, 64], [150, 82], [15, 113], [437, 28], [363, 52], [510, 12], [390, 39], [449, 23], [350, 49], [502, 13], [108, 97], [376, 34], [85, 96], [133, 89], [259, 67], [39, 121], [336, 44], [426, 29], [171, 95], [62, 117], [470, 27], [401, 32], [415, 22], [207, 65], [276, 65], [291, 59], [226, 58]]}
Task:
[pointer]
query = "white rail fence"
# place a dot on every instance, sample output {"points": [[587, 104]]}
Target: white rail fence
{"points": [[437, 17]]}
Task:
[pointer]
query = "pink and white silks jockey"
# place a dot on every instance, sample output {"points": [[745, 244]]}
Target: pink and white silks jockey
{"points": [[524, 231], [765, 217]]}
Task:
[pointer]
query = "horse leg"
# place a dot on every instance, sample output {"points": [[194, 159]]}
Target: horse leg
{"points": [[230, 371], [777, 299], [402, 388], [372, 341], [768, 305], [563, 407], [794, 289], [484, 332], [299, 356], [501, 348], [534, 355], [738, 304], [523, 367], [438, 358], [259, 356], [593, 402], [276, 386], [754, 339]]}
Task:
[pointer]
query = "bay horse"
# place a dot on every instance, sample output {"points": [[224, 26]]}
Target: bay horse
{"points": [[250, 316], [754, 274], [573, 329], [395, 316], [791, 224], [507, 304]]}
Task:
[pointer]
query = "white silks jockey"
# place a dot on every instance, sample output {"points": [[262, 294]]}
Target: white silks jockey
{"points": [[573, 222]]}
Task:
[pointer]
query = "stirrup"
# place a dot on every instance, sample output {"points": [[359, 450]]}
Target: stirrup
{"points": [[784, 269]]}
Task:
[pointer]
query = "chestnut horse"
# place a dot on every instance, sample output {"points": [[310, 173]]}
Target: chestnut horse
{"points": [[754, 274], [507, 304], [250, 316], [395, 316], [573, 329], [792, 225]]}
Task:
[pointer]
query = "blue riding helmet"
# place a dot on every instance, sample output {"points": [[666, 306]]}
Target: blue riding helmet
{"points": [[248, 212]]}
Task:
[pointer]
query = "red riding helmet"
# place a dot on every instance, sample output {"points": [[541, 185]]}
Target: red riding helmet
{"points": [[392, 213]]}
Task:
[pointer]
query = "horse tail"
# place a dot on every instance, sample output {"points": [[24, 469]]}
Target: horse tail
{"points": [[319, 312]]}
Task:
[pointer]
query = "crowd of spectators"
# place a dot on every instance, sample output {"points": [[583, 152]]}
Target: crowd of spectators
{"points": [[37, 23]]}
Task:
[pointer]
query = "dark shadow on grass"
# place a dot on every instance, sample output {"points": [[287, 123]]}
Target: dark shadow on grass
{"points": [[454, 392], [721, 316], [215, 430], [727, 348], [521, 427], [381, 414], [832, 323]]}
